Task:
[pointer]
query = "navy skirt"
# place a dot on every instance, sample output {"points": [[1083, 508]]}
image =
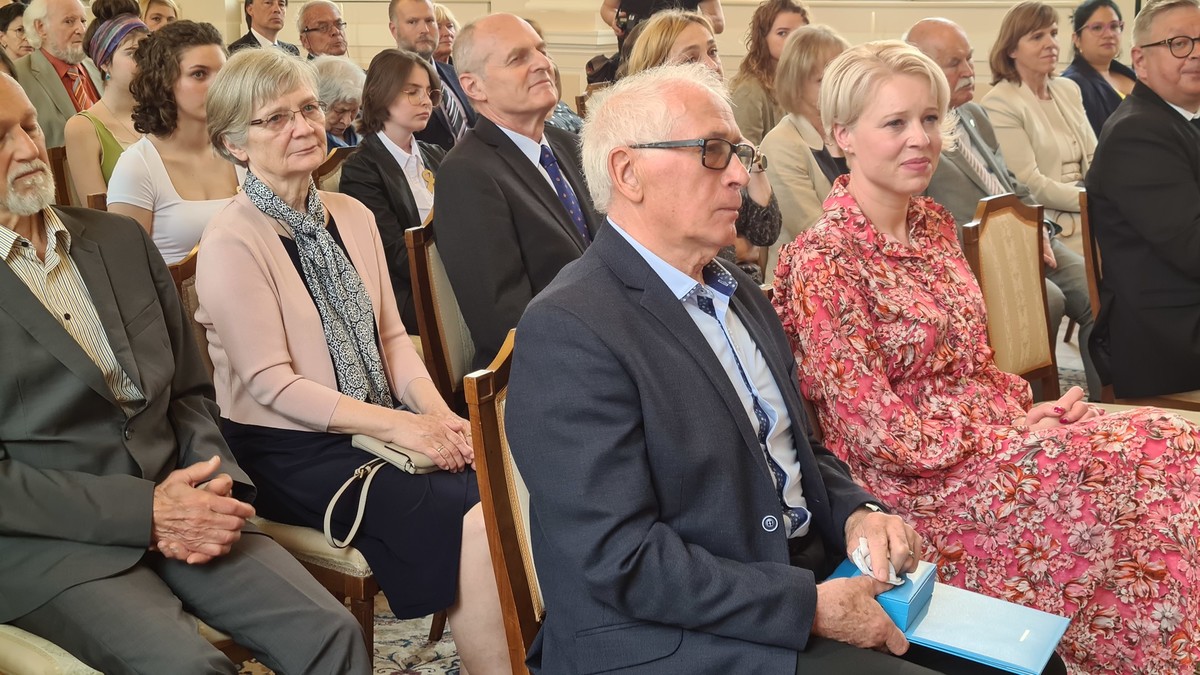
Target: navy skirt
{"points": [[411, 531]]}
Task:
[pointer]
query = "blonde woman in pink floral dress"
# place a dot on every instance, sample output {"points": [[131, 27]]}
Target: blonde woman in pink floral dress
{"points": [[1054, 506]]}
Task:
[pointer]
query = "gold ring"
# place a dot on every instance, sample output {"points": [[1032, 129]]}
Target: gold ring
{"points": [[441, 450]]}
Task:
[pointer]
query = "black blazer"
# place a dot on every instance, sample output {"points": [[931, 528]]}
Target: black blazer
{"points": [[1099, 98], [1144, 207], [654, 518], [76, 476], [372, 176], [501, 230], [437, 131], [248, 41]]}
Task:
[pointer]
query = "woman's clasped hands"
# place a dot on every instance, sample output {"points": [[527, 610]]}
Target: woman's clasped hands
{"points": [[1069, 409], [443, 437]]}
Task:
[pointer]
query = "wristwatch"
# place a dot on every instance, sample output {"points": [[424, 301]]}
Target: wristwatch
{"points": [[760, 163], [872, 506]]}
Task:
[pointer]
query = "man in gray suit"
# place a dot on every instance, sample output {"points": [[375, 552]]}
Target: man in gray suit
{"points": [[57, 76], [683, 519], [113, 518], [975, 169]]}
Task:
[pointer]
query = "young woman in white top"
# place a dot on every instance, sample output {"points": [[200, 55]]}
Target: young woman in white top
{"points": [[171, 181]]}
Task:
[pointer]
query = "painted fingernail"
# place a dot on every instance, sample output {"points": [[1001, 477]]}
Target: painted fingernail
{"points": [[1064, 420], [1059, 411]]}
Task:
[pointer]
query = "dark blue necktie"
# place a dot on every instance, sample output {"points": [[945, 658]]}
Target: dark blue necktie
{"points": [[795, 517], [565, 194]]}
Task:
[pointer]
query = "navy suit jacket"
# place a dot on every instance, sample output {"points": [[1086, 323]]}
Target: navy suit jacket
{"points": [[654, 518], [1100, 100], [1144, 208], [502, 231], [437, 131], [248, 41]]}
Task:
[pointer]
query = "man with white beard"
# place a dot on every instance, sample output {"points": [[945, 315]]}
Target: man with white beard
{"points": [[974, 169], [58, 77]]}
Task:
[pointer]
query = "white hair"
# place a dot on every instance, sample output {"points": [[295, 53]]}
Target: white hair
{"points": [[637, 109], [36, 11], [300, 16], [338, 79]]}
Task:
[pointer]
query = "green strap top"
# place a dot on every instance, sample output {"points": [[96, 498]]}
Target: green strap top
{"points": [[110, 149]]}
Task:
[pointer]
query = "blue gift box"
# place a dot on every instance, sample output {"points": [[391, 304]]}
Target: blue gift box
{"points": [[904, 602]]}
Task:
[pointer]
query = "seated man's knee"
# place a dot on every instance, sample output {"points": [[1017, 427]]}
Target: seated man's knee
{"points": [[1056, 304]]}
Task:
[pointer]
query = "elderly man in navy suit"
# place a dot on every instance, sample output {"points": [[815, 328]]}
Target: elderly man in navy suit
{"points": [[683, 520]]}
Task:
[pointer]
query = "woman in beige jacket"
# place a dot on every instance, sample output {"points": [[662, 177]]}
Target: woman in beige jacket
{"points": [[1039, 119]]}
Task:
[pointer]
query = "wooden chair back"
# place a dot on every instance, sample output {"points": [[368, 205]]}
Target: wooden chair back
{"points": [[505, 501], [183, 273], [1004, 248], [445, 340], [1091, 256], [328, 176], [98, 201], [58, 167]]}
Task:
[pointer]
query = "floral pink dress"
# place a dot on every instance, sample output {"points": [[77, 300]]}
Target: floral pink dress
{"points": [[1097, 521]]}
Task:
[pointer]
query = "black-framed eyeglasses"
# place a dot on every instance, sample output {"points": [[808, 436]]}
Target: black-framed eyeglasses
{"points": [[326, 28], [715, 153], [417, 95], [1098, 27], [276, 122], [1181, 46]]}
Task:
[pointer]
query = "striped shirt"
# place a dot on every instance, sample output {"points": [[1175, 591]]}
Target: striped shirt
{"points": [[59, 287]]}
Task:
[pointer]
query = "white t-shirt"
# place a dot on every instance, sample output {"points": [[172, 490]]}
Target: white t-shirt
{"points": [[140, 179]]}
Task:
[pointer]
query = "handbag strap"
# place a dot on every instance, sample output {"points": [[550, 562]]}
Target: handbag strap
{"points": [[367, 471]]}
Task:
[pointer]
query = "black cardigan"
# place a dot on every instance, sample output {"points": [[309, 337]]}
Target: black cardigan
{"points": [[1099, 98]]}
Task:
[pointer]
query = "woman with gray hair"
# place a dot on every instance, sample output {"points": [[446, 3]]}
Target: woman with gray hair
{"points": [[1057, 506], [339, 86], [309, 349]]}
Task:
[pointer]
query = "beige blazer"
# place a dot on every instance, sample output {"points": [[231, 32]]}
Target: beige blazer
{"points": [[48, 95], [796, 178], [271, 362], [1026, 138]]}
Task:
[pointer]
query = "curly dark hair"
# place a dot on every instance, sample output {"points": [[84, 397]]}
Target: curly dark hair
{"points": [[154, 109], [757, 65]]}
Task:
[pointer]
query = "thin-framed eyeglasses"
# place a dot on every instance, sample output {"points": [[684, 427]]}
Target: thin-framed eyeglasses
{"points": [[417, 95], [284, 119], [1098, 28], [715, 153], [19, 30], [327, 28], [1181, 46]]}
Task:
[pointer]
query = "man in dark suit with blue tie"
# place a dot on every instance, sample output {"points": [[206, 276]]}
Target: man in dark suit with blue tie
{"points": [[683, 520], [510, 207], [414, 26]]}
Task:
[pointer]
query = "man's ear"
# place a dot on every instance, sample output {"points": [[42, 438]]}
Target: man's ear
{"points": [[1137, 58], [625, 176], [472, 85]]}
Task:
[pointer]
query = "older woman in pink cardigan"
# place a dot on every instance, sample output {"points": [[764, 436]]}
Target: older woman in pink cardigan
{"points": [[308, 349]]}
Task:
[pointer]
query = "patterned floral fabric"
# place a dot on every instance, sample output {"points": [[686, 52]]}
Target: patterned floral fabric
{"points": [[1097, 521]]}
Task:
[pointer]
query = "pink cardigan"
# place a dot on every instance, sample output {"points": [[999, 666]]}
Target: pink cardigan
{"points": [[271, 363]]}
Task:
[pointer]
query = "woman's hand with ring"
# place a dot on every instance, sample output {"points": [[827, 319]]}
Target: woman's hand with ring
{"points": [[433, 437]]}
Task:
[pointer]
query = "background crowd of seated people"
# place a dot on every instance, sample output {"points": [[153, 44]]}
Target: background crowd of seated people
{"points": [[1054, 505], [96, 137]]}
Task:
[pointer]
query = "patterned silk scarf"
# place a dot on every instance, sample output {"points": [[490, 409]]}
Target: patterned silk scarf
{"points": [[337, 290]]}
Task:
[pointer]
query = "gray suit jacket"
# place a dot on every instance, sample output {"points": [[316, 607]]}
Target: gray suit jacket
{"points": [[956, 186], [76, 477], [655, 521], [47, 93]]}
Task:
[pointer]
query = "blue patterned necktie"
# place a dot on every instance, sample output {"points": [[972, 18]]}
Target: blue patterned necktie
{"points": [[793, 516], [454, 113], [565, 194]]}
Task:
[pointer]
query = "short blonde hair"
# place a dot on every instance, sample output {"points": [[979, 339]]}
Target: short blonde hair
{"points": [[147, 4], [636, 109], [806, 49], [852, 78], [658, 35], [1020, 20], [250, 79], [443, 15], [1145, 18]]}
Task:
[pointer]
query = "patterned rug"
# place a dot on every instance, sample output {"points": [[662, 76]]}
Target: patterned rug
{"points": [[1069, 377], [401, 647]]}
